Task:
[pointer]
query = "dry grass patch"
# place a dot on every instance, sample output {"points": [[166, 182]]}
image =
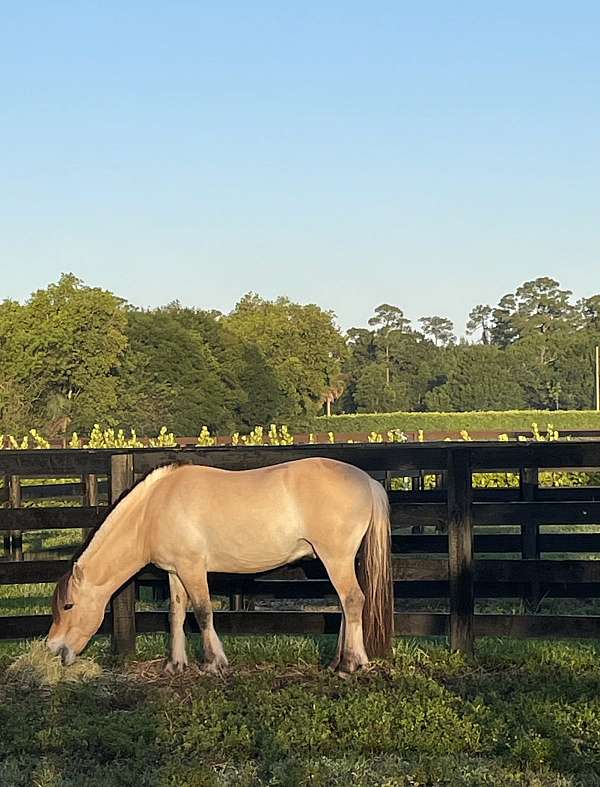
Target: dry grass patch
{"points": [[36, 666]]}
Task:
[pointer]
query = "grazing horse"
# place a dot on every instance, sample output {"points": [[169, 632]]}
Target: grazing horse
{"points": [[190, 519]]}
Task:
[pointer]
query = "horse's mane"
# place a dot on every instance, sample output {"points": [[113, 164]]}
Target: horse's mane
{"points": [[60, 596], [127, 502]]}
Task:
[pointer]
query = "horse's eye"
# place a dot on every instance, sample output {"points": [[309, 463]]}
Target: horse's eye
{"points": [[68, 606]]}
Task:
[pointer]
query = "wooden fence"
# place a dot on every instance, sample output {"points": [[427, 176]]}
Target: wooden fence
{"points": [[439, 536]]}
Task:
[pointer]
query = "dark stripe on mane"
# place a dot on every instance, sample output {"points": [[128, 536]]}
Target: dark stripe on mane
{"points": [[60, 597]]}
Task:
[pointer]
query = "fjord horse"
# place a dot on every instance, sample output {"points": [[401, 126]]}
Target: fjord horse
{"points": [[190, 519]]}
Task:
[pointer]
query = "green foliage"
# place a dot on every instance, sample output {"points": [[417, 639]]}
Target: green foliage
{"points": [[205, 438], [99, 438], [480, 377], [57, 354], [302, 344], [372, 393], [441, 329], [276, 435], [108, 438], [72, 355], [535, 350], [31, 440], [164, 439], [171, 376]]}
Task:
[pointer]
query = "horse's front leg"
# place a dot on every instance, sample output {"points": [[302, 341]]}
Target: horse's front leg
{"points": [[196, 583], [179, 601]]}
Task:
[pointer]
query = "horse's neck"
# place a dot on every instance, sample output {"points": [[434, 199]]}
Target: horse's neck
{"points": [[116, 552]]}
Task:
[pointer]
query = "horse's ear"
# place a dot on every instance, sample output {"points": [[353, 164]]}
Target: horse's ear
{"points": [[77, 573]]}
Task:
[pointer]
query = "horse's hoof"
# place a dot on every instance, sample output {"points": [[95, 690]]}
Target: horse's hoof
{"points": [[174, 667], [216, 667], [349, 666]]}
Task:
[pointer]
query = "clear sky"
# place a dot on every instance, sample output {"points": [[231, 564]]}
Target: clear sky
{"points": [[429, 155]]}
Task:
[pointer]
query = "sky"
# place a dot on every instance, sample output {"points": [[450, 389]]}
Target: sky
{"points": [[429, 155]]}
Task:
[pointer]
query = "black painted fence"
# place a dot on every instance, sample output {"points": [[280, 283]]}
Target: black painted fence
{"points": [[440, 564]]}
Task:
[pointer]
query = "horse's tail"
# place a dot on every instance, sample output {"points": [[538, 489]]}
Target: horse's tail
{"points": [[375, 577]]}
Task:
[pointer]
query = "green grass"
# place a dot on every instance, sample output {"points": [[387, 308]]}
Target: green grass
{"points": [[42, 540], [30, 599], [519, 714], [501, 421]]}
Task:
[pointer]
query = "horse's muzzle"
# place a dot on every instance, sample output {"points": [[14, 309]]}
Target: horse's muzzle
{"points": [[53, 646], [67, 656]]}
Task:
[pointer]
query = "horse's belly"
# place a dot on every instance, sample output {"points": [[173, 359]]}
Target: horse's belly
{"points": [[250, 559]]}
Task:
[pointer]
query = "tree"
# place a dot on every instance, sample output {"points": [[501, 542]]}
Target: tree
{"points": [[590, 312], [301, 343], [336, 385], [66, 343], [542, 306], [387, 320], [440, 328], [374, 395], [504, 330], [479, 378], [568, 381], [262, 399], [16, 391], [537, 307], [361, 350], [480, 320], [173, 368]]}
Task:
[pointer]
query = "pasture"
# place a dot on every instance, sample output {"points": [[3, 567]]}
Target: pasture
{"points": [[515, 714]]}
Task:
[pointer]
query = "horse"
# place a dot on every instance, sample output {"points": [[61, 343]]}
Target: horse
{"points": [[191, 519]]}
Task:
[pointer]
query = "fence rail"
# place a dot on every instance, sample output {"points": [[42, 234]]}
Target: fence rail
{"points": [[445, 564]]}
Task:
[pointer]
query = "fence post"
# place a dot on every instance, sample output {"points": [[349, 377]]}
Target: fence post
{"points": [[15, 500], [529, 479], [460, 550], [3, 500], [123, 603], [417, 485], [90, 497]]}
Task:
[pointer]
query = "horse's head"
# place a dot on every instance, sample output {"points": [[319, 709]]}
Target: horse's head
{"points": [[77, 612]]}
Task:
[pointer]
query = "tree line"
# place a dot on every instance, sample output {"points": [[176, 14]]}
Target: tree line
{"points": [[73, 355]]}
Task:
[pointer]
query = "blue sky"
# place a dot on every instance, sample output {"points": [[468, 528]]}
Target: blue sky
{"points": [[430, 155]]}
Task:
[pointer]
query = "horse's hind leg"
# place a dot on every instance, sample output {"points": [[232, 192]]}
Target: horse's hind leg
{"points": [[196, 584], [351, 648], [179, 600]]}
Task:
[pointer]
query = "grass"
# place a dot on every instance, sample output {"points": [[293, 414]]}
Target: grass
{"points": [[518, 714], [521, 713], [477, 421]]}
